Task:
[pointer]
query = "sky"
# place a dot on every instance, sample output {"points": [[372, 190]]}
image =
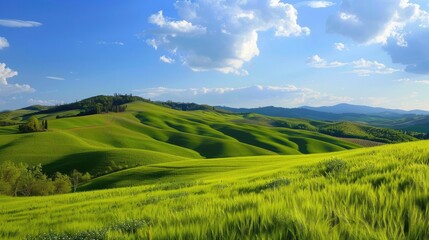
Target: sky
{"points": [[238, 53]]}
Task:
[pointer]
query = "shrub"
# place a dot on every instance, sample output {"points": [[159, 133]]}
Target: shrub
{"points": [[32, 125], [333, 167]]}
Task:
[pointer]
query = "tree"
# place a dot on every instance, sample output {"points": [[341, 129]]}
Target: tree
{"points": [[77, 178], [33, 182], [10, 174], [21, 180], [98, 108], [32, 125], [62, 183]]}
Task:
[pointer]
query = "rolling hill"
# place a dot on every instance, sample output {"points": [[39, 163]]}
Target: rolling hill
{"points": [[415, 121], [160, 172], [369, 193], [146, 133]]}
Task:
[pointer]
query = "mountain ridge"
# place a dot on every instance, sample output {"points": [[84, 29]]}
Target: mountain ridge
{"points": [[363, 109]]}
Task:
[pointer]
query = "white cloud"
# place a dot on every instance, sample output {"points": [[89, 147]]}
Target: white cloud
{"points": [[166, 59], [253, 96], [176, 27], [317, 62], [340, 46], [7, 88], [230, 28], [407, 80], [111, 43], [398, 25], [18, 23], [316, 4], [364, 67], [55, 78], [153, 43], [361, 67], [375, 21], [3, 43], [44, 102], [426, 82]]}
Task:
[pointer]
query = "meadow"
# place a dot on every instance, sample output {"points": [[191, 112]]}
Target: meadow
{"points": [[160, 173], [147, 133], [370, 193]]}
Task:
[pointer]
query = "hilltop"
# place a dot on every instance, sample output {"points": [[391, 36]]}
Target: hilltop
{"points": [[177, 170], [105, 134], [146, 132]]}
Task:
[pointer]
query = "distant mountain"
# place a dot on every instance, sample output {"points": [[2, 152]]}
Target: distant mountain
{"points": [[286, 112], [360, 109], [416, 120]]}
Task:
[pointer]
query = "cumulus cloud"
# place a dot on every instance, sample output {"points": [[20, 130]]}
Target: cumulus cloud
{"points": [[398, 25], [7, 88], [340, 46], [317, 62], [230, 28], [361, 67], [3, 43], [316, 4], [55, 78], [166, 59], [364, 67], [415, 56], [18, 23], [252, 96], [374, 21]]}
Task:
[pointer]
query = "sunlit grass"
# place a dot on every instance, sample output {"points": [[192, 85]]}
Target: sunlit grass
{"points": [[145, 130], [377, 193]]}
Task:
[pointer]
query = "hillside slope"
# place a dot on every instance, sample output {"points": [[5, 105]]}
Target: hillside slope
{"points": [[147, 132], [416, 120], [370, 193]]}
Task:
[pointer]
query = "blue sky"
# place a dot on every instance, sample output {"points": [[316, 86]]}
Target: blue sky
{"points": [[241, 53]]}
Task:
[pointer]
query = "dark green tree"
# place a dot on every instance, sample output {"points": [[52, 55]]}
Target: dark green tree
{"points": [[78, 178], [62, 183], [32, 125]]}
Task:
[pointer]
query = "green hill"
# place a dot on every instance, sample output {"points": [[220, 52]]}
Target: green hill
{"points": [[369, 193], [99, 143], [353, 130]]}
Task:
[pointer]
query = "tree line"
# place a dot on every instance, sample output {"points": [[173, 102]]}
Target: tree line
{"points": [[18, 179], [186, 106], [98, 104]]}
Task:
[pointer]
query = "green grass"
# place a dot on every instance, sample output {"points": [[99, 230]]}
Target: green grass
{"points": [[168, 174], [145, 130], [353, 130], [371, 193]]}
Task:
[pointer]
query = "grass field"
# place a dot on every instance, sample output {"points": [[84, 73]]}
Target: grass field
{"points": [[147, 133], [372, 193], [167, 174]]}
